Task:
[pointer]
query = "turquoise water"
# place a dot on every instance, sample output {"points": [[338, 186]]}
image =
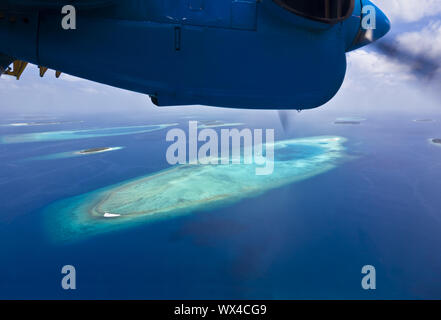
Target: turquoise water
{"points": [[79, 134], [135, 227], [189, 188], [219, 125]]}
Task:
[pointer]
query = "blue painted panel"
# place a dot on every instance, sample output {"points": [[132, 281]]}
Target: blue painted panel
{"points": [[18, 35], [213, 14], [243, 14], [196, 5], [195, 51]]}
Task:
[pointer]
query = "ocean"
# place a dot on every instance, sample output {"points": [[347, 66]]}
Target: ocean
{"points": [[377, 202]]}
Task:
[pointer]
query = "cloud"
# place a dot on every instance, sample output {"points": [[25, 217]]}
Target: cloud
{"points": [[409, 10], [372, 67], [90, 90], [426, 41], [70, 78]]}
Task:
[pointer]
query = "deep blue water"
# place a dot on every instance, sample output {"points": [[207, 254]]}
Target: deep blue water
{"points": [[308, 239]]}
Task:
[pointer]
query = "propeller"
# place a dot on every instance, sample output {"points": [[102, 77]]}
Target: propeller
{"points": [[286, 118], [424, 66]]}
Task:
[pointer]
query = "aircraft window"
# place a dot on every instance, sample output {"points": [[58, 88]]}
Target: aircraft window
{"points": [[328, 11]]}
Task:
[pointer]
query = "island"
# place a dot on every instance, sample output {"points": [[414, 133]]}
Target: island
{"points": [[185, 189], [204, 124], [94, 150], [424, 120], [347, 122], [81, 134]]}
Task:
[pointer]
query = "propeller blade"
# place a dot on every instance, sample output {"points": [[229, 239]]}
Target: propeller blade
{"points": [[286, 118], [423, 66]]}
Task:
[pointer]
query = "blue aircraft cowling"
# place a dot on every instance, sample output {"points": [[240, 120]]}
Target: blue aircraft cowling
{"points": [[44, 4], [228, 53]]}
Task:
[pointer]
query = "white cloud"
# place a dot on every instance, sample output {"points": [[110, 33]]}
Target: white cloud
{"points": [[70, 78], [372, 67], [427, 40], [90, 90], [409, 10]]}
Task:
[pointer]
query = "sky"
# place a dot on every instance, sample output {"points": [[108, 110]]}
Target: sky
{"points": [[416, 26], [373, 82]]}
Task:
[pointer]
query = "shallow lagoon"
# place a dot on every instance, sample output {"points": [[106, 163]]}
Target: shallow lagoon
{"points": [[307, 238], [188, 188], [79, 134]]}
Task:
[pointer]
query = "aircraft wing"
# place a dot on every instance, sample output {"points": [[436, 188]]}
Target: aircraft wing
{"points": [[18, 66], [84, 4]]}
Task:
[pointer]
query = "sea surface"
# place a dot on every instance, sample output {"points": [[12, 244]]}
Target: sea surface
{"points": [[348, 190]]}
